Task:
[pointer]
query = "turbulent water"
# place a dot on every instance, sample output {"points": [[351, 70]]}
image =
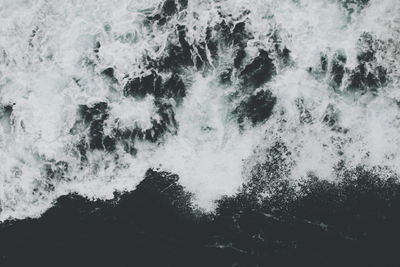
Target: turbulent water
{"points": [[95, 93]]}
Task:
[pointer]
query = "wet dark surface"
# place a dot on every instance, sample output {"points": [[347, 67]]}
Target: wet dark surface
{"points": [[271, 221], [352, 223]]}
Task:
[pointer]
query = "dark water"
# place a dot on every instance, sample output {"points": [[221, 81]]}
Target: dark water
{"points": [[354, 223], [200, 133]]}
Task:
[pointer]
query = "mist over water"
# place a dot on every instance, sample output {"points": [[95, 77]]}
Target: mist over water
{"points": [[95, 93]]}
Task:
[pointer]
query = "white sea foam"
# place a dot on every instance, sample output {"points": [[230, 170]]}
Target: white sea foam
{"points": [[48, 68]]}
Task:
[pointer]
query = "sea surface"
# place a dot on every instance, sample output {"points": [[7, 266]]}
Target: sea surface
{"points": [[199, 132]]}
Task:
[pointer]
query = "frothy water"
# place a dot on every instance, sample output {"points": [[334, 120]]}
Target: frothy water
{"points": [[75, 117]]}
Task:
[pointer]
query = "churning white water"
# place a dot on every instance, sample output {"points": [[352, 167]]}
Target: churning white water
{"points": [[50, 65]]}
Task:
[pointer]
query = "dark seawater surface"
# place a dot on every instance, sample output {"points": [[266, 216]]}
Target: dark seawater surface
{"points": [[353, 223], [200, 133]]}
